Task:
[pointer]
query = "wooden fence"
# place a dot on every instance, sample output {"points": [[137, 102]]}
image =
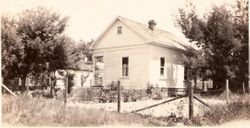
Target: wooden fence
{"points": [[188, 93]]}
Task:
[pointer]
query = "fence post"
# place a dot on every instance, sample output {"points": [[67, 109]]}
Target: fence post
{"points": [[2, 85], [203, 86], [81, 80], [27, 83], [227, 91], [19, 82], [118, 97], [243, 87], [66, 88], [190, 96]]}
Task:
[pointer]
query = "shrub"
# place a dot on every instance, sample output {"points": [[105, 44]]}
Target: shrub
{"points": [[157, 96], [132, 95], [89, 94], [149, 89], [109, 94]]}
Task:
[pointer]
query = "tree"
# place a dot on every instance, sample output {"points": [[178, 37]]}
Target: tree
{"points": [[39, 34], [82, 50], [197, 60], [12, 48], [221, 40], [241, 55], [40, 30]]}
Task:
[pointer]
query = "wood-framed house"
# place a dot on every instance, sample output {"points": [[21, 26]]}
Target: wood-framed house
{"points": [[139, 55]]}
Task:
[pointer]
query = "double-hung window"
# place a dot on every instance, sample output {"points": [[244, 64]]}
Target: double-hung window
{"points": [[162, 66], [125, 62]]}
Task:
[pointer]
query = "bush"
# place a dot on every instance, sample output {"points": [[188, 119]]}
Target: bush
{"points": [[109, 94], [132, 95], [157, 96], [149, 89], [88, 94]]}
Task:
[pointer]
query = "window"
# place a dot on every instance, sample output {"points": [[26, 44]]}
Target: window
{"points": [[162, 66], [185, 73], [119, 30], [125, 66]]}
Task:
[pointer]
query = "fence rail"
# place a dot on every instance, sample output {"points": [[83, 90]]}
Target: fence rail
{"points": [[158, 104], [5, 87], [185, 92], [177, 91]]}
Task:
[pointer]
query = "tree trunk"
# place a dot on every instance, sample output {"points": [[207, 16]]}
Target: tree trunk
{"points": [[195, 82], [52, 83], [27, 83], [23, 86], [247, 86], [215, 84], [203, 87]]}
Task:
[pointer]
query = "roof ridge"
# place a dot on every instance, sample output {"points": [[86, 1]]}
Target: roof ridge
{"points": [[144, 24], [151, 33], [131, 20], [126, 20], [159, 36]]}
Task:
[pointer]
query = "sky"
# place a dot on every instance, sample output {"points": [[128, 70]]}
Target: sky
{"points": [[89, 18]]}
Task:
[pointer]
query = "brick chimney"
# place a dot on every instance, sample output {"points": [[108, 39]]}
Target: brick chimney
{"points": [[151, 24]]}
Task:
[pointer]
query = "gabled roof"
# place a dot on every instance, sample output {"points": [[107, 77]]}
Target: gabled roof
{"points": [[156, 36]]}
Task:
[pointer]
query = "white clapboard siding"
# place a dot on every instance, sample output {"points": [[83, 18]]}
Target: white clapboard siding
{"points": [[174, 68], [111, 39], [138, 67], [144, 47]]}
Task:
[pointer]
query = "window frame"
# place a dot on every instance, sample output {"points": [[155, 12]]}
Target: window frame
{"points": [[119, 30], [162, 67], [125, 67], [185, 73]]}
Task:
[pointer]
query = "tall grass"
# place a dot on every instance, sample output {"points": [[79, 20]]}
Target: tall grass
{"points": [[237, 109], [28, 111]]}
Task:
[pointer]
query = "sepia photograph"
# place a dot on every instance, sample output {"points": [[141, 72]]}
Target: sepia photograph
{"points": [[125, 63]]}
